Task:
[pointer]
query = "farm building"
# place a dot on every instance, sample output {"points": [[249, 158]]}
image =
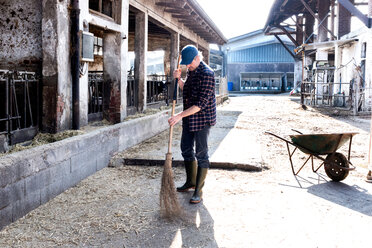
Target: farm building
{"points": [[333, 41], [66, 63], [259, 63]]}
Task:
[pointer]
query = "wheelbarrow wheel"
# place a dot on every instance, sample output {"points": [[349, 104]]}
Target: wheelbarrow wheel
{"points": [[334, 165]]}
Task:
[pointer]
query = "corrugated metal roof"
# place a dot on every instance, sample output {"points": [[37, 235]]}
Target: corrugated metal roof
{"points": [[270, 53]]}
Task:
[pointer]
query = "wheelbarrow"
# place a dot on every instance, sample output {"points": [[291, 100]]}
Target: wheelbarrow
{"points": [[323, 147]]}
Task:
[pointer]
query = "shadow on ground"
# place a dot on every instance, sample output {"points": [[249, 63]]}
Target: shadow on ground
{"points": [[196, 230], [350, 196]]}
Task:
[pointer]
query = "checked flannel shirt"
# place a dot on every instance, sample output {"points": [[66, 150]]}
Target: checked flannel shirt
{"points": [[199, 90]]}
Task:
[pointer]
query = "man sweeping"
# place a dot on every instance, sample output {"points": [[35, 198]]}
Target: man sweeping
{"points": [[198, 115]]}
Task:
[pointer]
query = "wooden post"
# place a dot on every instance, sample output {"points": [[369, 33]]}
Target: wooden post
{"points": [[370, 147], [332, 18], [140, 62], [303, 78]]}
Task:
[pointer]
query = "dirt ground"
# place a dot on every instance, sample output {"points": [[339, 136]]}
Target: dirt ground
{"points": [[118, 207]]}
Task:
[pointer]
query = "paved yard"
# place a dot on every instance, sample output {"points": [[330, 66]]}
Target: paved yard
{"points": [[118, 207]]}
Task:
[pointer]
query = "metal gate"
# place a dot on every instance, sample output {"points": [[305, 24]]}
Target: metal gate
{"points": [[157, 88], [96, 93], [19, 107]]}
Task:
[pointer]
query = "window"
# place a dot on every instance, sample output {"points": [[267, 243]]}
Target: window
{"points": [[102, 6], [97, 46]]}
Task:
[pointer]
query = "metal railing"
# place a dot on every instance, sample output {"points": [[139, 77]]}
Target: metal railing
{"points": [[157, 88], [217, 86], [131, 92], [19, 105], [96, 94], [260, 86], [320, 89]]}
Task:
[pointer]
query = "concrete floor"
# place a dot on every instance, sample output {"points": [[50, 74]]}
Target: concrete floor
{"points": [[118, 207]]}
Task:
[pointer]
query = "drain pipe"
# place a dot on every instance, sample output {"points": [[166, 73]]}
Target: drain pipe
{"points": [[75, 63]]}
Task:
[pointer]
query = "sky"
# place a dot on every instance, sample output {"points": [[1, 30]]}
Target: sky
{"points": [[237, 17]]}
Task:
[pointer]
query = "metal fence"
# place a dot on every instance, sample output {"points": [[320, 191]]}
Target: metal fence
{"points": [[319, 89], [96, 94], [217, 83], [131, 92], [19, 105], [157, 88]]}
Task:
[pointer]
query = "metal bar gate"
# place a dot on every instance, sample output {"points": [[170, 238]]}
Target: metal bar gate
{"points": [[19, 107]]}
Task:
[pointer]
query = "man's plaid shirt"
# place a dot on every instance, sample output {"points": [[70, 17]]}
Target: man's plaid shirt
{"points": [[199, 90]]}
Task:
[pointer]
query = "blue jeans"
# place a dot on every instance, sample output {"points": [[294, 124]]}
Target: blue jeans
{"points": [[200, 140]]}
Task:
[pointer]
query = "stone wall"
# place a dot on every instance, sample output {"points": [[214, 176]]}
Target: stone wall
{"points": [[32, 177], [20, 35]]}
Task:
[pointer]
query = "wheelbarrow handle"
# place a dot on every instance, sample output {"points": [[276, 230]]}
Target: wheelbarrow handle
{"points": [[296, 131], [266, 132]]}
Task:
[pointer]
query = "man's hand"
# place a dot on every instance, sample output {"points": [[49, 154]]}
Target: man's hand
{"points": [[177, 74], [174, 120]]}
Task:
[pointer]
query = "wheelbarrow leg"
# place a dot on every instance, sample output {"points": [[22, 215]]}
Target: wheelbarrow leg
{"points": [[312, 164], [348, 154], [290, 160]]}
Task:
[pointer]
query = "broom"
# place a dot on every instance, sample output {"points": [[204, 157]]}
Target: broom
{"points": [[169, 205]]}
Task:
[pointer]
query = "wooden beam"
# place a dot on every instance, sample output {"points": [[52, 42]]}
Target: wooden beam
{"points": [[171, 10], [168, 4], [286, 48], [280, 33], [181, 15], [316, 17], [354, 11], [289, 35]]}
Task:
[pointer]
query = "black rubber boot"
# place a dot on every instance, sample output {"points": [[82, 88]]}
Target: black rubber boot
{"points": [[190, 167], [200, 178]]}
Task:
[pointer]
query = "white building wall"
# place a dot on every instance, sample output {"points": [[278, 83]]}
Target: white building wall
{"points": [[349, 61]]}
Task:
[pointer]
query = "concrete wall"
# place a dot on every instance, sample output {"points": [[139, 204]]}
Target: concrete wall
{"points": [[350, 55], [297, 74], [32, 177], [234, 70], [223, 86], [20, 35]]}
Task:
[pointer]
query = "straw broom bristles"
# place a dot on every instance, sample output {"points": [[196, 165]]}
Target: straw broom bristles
{"points": [[169, 205]]}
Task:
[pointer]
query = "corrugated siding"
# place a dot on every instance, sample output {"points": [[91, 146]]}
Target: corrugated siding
{"points": [[261, 54]]}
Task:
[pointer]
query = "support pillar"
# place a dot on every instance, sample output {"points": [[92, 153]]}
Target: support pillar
{"points": [[174, 54], [332, 18], [140, 62], [207, 56], [297, 74], [56, 69], [124, 16], [344, 20], [112, 76], [83, 81], [299, 30], [309, 27], [323, 12], [337, 76], [370, 82]]}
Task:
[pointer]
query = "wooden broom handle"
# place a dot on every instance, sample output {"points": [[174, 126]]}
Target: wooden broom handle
{"points": [[173, 107]]}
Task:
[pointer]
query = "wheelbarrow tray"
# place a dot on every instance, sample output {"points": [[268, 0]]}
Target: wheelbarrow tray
{"points": [[336, 165], [320, 144]]}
